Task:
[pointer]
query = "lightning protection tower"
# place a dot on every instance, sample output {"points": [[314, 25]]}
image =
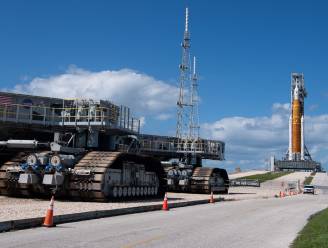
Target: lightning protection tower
{"points": [[187, 131], [194, 117]]}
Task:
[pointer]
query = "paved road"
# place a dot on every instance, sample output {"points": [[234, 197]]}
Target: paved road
{"points": [[268, 188], [293, 177], [320, 181], [249, 223]]}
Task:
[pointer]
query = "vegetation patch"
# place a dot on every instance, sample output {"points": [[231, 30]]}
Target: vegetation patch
{"points": [[266, 176], [315, 233], [308, 180]]}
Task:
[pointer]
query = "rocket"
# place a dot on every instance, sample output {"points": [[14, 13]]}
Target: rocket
{"points": [[297, 157], [296, 126]]}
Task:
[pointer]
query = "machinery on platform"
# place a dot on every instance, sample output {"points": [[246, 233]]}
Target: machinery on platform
{"points": [[297, 156], [83, 149]]}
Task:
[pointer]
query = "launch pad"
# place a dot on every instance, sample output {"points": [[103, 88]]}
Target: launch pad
{"points": [[303, 165], [297, 157]]}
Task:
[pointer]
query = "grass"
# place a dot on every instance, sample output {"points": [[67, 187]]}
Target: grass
{"points": [[266, 176], [315, 233], [308, 180]]}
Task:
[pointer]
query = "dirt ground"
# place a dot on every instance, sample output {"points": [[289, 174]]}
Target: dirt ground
{"points": [[19, 208]]}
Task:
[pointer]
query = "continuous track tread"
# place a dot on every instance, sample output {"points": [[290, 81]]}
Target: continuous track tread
{"points": [[12, 188], [98, 163], [88, 189], [201, 180]]}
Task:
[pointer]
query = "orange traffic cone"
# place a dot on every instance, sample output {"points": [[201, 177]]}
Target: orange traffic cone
{"points": [[212, 198], [49, 219], [165, 205]]}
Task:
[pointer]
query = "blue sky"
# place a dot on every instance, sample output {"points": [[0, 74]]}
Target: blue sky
{"points": [[246, 52]]}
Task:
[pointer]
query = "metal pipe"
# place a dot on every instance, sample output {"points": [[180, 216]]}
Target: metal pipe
{"points": [[19, 143], [128, 118], [124, 119]]}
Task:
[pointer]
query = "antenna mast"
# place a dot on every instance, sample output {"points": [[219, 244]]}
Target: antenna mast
{"points": [[187, 106], [182, 112], [194, 117]]}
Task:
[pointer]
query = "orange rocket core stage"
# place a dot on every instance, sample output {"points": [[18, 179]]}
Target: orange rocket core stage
{"points": [[296, 126]]}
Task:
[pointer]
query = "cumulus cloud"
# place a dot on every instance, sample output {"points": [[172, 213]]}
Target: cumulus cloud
{"points": [[283, 108], [143, 93], [251, 141], [164, 116]]}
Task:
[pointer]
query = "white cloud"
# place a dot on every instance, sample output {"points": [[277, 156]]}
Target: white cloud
{"points": [[250, 141], [281, 108], [163, 116], [141, 92]]}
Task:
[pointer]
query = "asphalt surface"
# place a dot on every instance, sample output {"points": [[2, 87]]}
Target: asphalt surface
{"points": [[248, 223], [320, 181]]}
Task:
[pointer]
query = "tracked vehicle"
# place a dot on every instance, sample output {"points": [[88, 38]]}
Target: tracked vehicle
{"points": [[88, 150], [81, 149]]}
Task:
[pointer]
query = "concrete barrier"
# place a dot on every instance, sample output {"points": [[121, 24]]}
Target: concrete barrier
{"points": [[10, 225]]}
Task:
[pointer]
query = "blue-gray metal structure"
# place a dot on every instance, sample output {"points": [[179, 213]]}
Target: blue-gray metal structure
{"points": [[73, 146], [49, 115]]}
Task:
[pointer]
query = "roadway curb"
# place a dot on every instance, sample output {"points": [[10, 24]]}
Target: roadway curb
{"points": [[10, 225]]}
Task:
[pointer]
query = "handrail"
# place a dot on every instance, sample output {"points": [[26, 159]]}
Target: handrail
{"points": [[176, 146], [54, 115]]}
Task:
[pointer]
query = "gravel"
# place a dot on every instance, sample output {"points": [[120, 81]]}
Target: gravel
{"points": [[19, 208]]}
